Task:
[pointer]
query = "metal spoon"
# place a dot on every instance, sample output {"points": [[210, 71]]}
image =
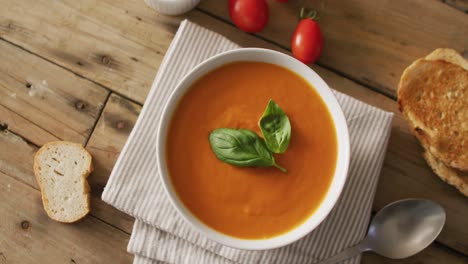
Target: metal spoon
{"points": [[399, 230]]}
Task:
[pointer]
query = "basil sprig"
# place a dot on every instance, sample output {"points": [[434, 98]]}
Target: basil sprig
{"points": [[241, 147], [275, 128]]}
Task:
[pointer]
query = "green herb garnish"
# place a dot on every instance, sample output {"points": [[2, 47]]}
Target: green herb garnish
{"points": [[275, 128], [241, 147]]}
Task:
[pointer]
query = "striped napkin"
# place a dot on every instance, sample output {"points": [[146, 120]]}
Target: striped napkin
{"points": [[160, 235]]}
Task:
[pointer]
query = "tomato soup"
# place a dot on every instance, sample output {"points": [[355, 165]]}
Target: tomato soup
{"points": [[251, 202]]}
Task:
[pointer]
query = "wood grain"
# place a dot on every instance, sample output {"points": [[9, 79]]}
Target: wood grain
{"points": [[102, 41], [121, 54], [16, 123], [17, 158], [105, 144], [461, 5], [57, 103], [123, 57], [29, 236], [434, 254], [369, 41]]}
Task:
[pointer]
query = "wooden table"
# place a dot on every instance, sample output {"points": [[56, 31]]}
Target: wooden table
{"points": [[97, 60]]}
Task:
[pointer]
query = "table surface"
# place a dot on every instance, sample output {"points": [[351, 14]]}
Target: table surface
{"points": [[80, 71]]}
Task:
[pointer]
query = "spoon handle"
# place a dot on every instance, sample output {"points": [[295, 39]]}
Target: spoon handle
{"points": [[346, 254]]}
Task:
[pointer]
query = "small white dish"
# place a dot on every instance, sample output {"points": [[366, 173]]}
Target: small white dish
{"points": [[172, 7], [341, 171]]}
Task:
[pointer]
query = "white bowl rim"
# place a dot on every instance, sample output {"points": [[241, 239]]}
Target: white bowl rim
{"points": [[343, 145]]}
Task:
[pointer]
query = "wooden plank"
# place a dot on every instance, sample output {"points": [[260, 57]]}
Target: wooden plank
{"points": [[27, 235], [16, 123], [434, 254], [43, 101], [124, 53], [369, 41], [102, 41], [17, 158], [105, 144], [461, 5]]}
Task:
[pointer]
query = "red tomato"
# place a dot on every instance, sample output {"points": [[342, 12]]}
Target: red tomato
{"points": [[307, 41], [249, 15]]}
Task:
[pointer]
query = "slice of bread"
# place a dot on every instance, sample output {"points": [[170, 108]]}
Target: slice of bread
{"points": [[433, 97], [448, 55], [61, 169], [452, 176]]}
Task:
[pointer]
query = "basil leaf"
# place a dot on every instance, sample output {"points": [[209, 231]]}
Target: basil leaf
{"points": [[275, 128], [241, 147]]}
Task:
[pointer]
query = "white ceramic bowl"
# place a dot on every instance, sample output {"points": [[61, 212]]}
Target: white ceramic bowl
{"points": [[339, 179]]}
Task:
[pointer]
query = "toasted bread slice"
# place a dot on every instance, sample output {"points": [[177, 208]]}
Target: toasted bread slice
{"points": [[61, 169], [433, 96], [448, 55], [452, 176]]}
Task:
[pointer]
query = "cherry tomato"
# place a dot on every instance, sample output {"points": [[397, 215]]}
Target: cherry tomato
{"points": [[307, 41], [249, 15]]}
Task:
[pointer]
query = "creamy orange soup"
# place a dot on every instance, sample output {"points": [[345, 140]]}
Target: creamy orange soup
{"points": [[251, 202]]}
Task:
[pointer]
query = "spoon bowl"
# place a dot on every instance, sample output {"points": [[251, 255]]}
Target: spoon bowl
{"points": [[404, 228], [399, 230]]}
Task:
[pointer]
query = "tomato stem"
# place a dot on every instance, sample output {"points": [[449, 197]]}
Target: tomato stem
{"points": [[309, 13]]}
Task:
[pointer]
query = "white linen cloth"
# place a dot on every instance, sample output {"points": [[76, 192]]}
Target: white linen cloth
{"points": [[160, 235]]}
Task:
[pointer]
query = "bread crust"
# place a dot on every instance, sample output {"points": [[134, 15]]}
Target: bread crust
{"points": [[433, 97], [448, 55], [85, 175], [454, 177]]}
